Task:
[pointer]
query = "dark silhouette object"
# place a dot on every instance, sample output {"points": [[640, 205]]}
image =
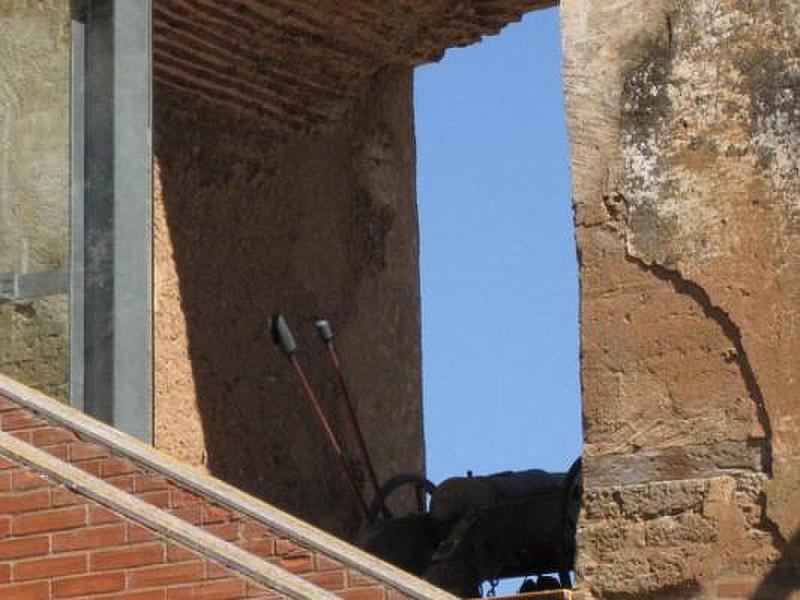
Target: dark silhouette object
{"points": [[548, 582], [485, 528], [784, 577], [541, 584], [282, 336], [409, 541]]}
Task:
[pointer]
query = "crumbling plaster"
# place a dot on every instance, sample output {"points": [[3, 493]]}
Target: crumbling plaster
{"points": [[684, 123], [34, 185], [320, 225]]}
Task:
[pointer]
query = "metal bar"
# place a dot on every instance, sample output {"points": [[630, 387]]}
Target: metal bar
{"points": [[326, 429], [27, 286], [282, 336], [76, 236], [326, 333], [98, 213], [117, 217], [132, 227]]}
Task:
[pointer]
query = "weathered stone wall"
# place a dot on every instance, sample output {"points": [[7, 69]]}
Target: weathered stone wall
{"points": [[684, 121], [34, 185], [250, 222]]}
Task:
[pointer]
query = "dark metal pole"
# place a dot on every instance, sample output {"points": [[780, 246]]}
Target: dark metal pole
{"points": [[282, 336], [326, 333]]}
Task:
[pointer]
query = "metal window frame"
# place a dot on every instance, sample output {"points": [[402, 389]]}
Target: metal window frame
{"points": [[111, 325]]}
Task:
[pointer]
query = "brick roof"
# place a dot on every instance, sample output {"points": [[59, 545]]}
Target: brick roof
{"points": [[300, 63]]}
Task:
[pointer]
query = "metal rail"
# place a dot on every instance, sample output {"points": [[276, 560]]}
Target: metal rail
{"points": [[15, 287]]}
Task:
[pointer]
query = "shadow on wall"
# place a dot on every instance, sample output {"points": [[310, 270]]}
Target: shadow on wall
{"points": [[784, 577], [258, 223]]}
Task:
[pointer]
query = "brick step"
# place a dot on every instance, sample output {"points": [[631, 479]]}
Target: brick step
{"points": [[68, 534], [79, 446]]}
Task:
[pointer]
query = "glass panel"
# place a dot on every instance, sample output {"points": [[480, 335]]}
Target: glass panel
{"points": [[34, 192]]}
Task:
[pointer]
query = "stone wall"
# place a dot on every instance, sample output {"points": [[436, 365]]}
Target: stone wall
{"points": [[684, 123], [250, 222], [284, 144], [34, 185]]}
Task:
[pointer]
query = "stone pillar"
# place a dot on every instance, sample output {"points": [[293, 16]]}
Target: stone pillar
{"points": [[684, 119]]}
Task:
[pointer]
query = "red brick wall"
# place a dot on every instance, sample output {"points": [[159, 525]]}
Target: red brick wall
{"points": [[154, 488], [56, 544]]}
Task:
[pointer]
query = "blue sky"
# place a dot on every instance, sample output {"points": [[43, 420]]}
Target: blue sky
{"points": [[499, 271]]}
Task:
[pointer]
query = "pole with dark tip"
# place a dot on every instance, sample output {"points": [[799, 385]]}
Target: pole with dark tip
{"points": [[282, 336], [326, 333]]}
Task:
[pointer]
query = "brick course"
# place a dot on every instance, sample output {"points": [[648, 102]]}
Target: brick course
{"points": [[70, 523], [52, 552]]}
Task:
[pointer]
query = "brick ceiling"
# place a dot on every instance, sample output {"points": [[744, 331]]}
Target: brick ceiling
{"points": [[299, 63]]}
